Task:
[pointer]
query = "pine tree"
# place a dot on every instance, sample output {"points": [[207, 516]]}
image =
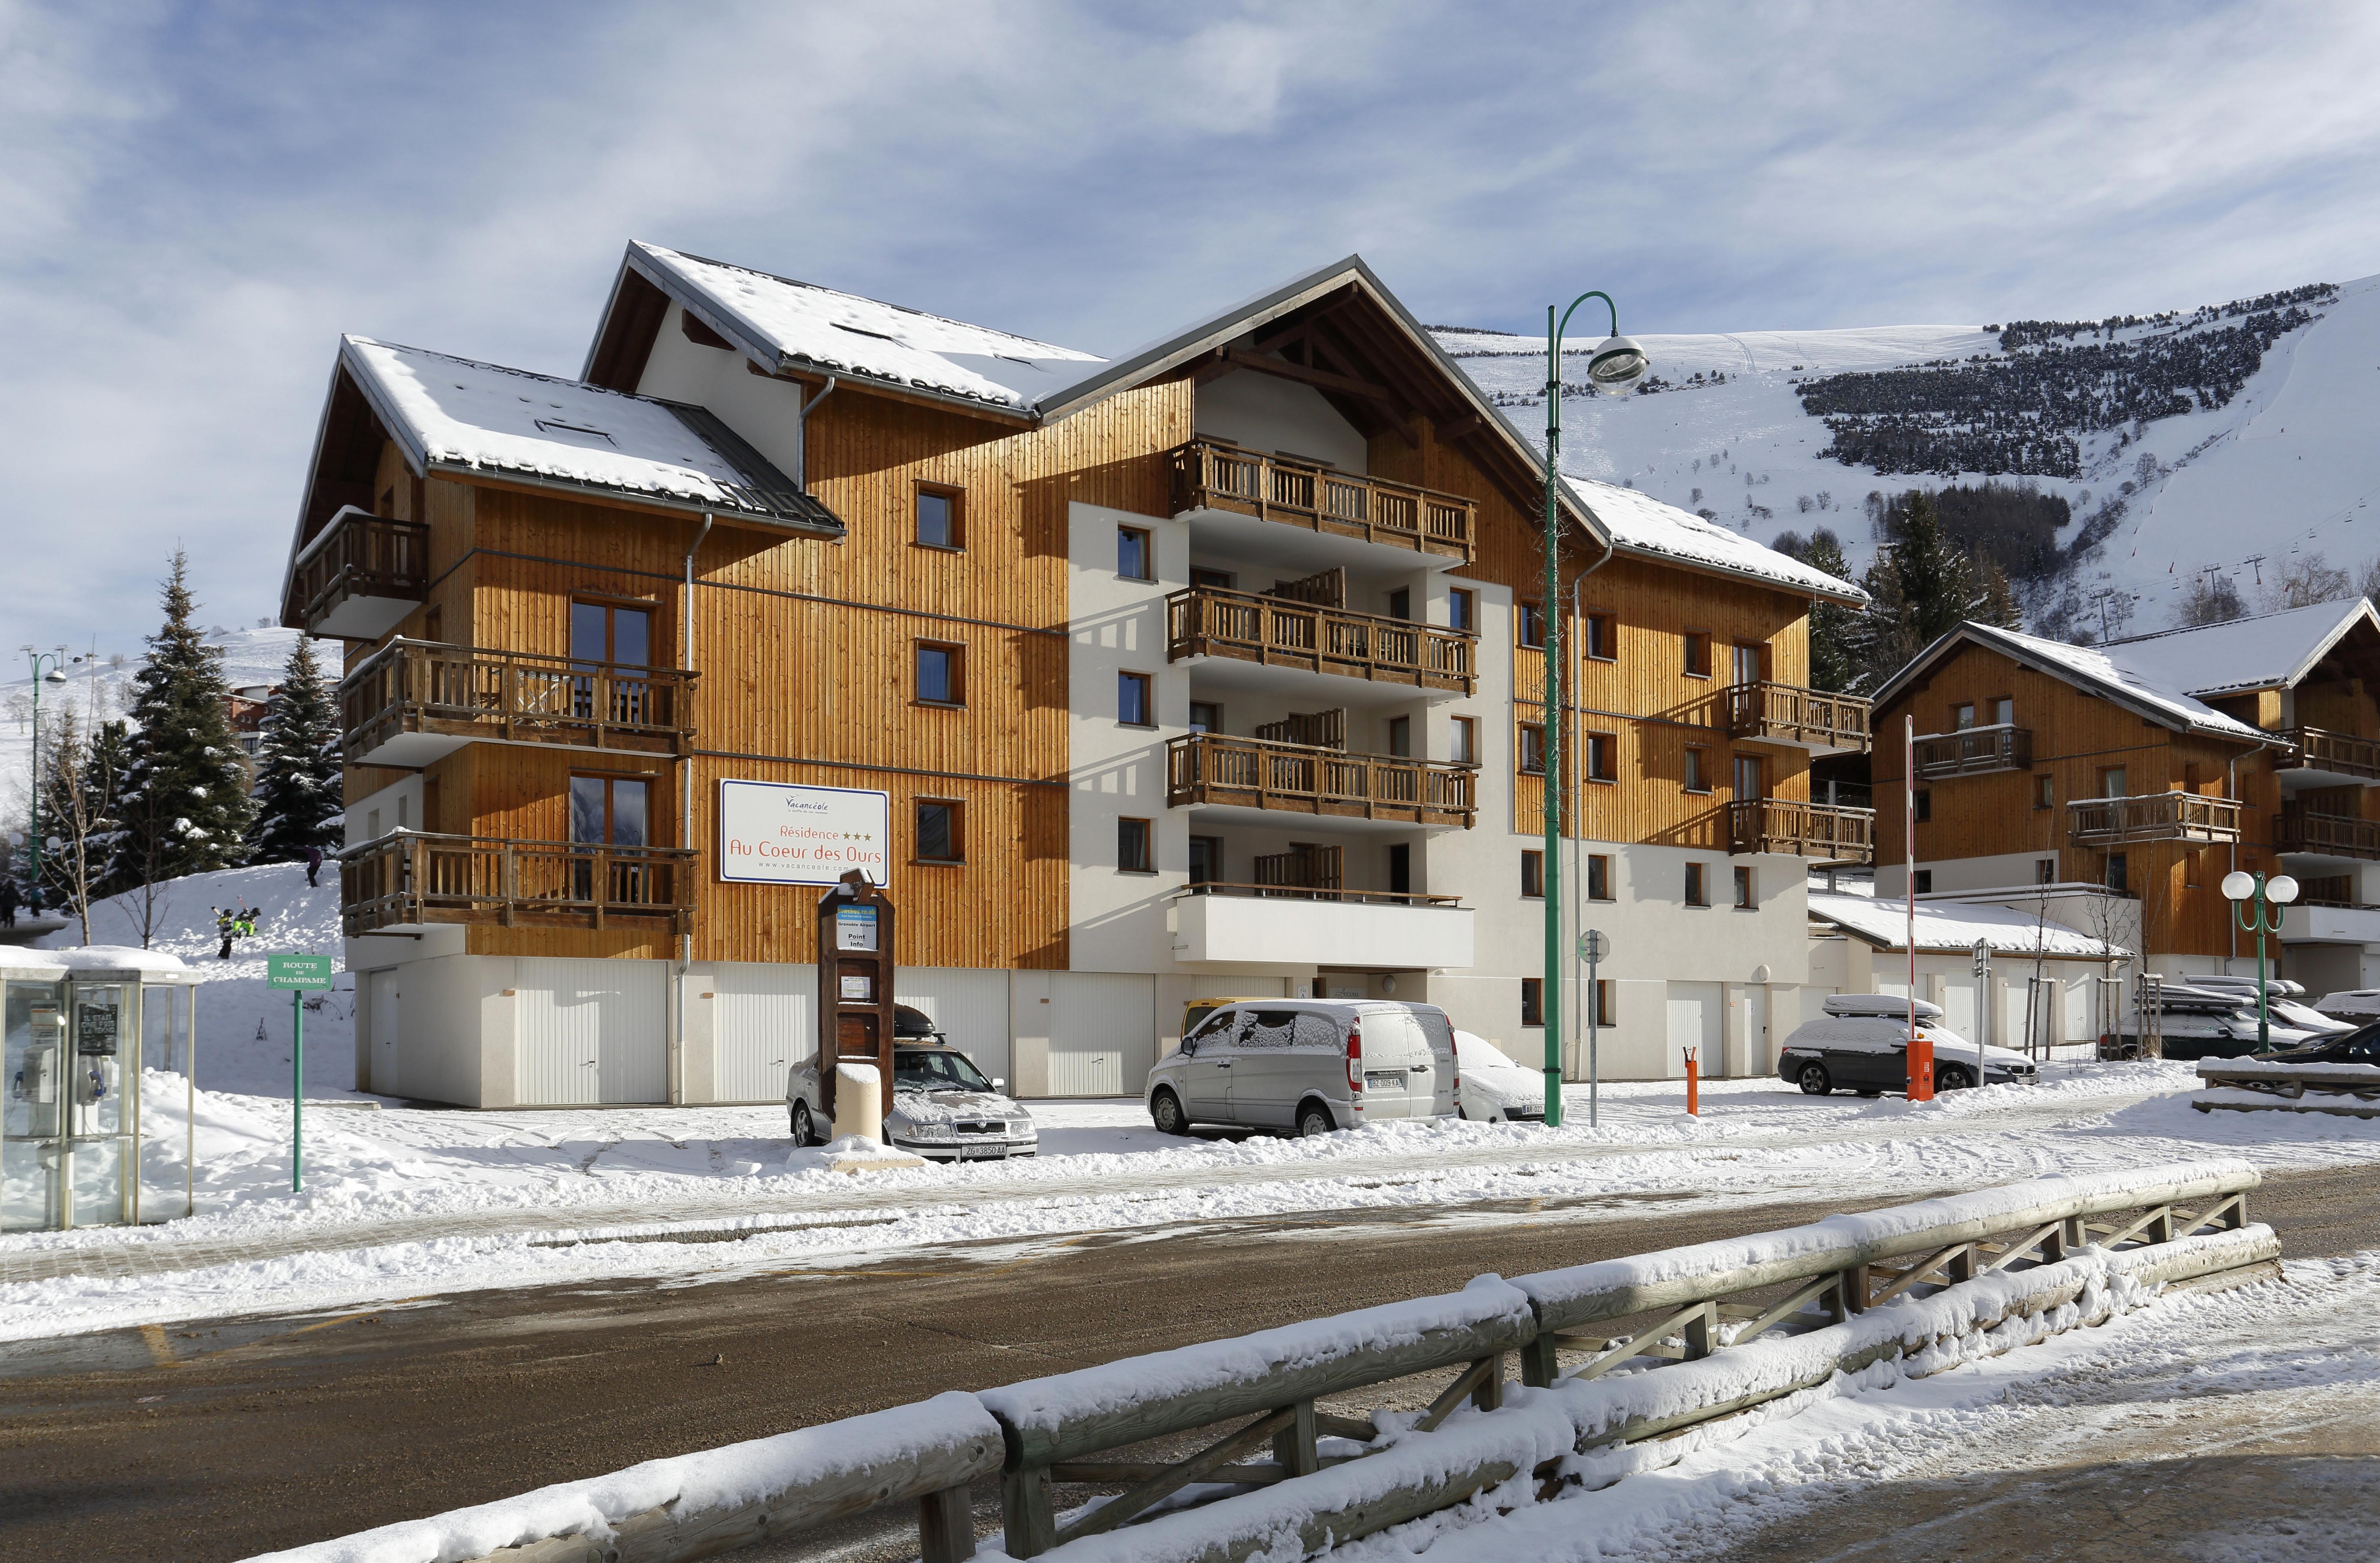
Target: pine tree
{"points": [[1924, 587], [298, 787], [1833, 627], [185, 806]]}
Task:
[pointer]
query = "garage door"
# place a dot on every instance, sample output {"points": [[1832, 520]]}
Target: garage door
{"points": [[969, 1005], [1102, 1033], [594, 1031], [761, 1027], [1694, 1023]]}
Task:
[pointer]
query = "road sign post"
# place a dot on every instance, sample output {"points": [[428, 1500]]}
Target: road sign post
{"points": [[1985, 1019], [1592, 947], [298, 976]]}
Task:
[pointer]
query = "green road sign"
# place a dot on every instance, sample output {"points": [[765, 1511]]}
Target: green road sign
{"points": [[297, 972]]}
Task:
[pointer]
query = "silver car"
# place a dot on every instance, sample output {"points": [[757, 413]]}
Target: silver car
{"points": [[943, 1108], [1308, 1066]]}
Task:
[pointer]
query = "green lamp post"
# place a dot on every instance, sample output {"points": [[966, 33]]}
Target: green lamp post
{"points": [[1615, 365], [2269, 896], [56, 675]]}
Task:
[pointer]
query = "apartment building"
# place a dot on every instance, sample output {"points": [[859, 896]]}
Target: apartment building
{"points": [[1215, 669]]}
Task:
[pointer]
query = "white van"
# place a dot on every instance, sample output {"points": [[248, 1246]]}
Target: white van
{"points": [[1308, 1066]]}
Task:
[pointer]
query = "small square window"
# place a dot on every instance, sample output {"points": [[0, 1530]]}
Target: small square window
{"points": [[1697, 885], [1745, 898], [1532, 750], [1131, 847], [1462, 608], [938, 517], [939, 840], [1698, 769], [941, 673], [1924, 805], [1602, 757], [1598, 876], [1134, 707], [1133, 554], [1602, 637], [1924, 885], [1530, 620], [1533, 876], [1697, 655], [1533, 1001], [1467, 741]]}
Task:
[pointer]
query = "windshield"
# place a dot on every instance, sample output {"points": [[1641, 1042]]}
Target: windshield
{"points": [[935, 1070]]}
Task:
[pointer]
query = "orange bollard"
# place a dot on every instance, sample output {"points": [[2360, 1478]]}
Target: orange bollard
{"points": [[1693, 1094], [1921, 1069]]}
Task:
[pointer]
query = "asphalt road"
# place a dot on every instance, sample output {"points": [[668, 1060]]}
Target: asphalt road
{"points": [[222, 1440]]}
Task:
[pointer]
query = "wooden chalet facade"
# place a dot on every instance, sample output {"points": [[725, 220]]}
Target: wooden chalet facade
{"points": [[2129, 778], [1213, 671]]}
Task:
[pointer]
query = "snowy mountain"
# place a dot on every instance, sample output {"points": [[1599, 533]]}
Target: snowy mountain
{"points": [[2238, 472]]}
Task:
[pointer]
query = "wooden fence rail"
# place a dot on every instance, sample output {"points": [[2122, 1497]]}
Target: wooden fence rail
{"points": [[1212, 768], [512, 697], [1210, 476], [2152, 816], [1282, 632], [412, 878]]}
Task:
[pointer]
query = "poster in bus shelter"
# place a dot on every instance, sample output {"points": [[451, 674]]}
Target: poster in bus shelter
{"points": [[771, 833]]}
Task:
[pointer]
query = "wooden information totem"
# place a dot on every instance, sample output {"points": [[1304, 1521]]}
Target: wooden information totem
{"points": [[854, 964]]}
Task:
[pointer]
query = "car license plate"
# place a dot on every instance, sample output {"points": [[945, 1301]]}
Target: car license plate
{"points": [[1384, 1080]]}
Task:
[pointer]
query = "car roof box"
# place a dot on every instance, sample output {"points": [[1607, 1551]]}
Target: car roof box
{"points": [[1878, 1005]]}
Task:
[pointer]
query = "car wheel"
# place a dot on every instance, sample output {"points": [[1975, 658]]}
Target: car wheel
{"points": [[1952, 1080], [1814, 1080], [805, 1130], [1165, 1111], [1314, 1119]]}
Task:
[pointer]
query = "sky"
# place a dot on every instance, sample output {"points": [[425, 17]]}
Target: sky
{"points": [[196, 201]]}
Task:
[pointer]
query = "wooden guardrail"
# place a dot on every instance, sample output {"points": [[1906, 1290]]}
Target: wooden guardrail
{"points": [[2344, 835], [2343, 754], [1823, 831], [1855, 1290], [356, 554], [411, 877], [1282, 632], [1811, 719], [1973, 751], [512, 697], [1212, 476], [2152, 816], [1212, 768]]}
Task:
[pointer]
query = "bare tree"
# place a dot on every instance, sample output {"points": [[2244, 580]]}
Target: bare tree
{"points": [[2304, 581], [79, 795]]}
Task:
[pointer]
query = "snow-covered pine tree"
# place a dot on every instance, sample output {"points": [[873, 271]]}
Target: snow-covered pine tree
{"points": [[298, 790], [184, 806], [1833, 627], [1923, 586]]}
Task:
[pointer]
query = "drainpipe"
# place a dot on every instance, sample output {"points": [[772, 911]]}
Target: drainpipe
{"points": [[802, 436], [685, 816]]}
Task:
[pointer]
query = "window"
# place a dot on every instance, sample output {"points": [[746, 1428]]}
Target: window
{"points": [[1400, 869], [1602, 1014], [1746, 668], [940, 675], [1962, 716], [1131, 553], [1533, 1001], [1749, 777], [1697, 655], [938, 517], [1924, 885], [1745, 899], [2119, 878], [1221, 580], [1698, 769], [2045, 792], [1598, 876], [2193, 874], [1533, 876], [1400, 602], [1131, 847], [2003, 711], [1132, 704], [1467, 741], [1206, 860], [1462, 608], [939, 840], [1400, 736], [1205, 716], [1531, 620], [2045, 870], [1532, 750], [1924, 805], [1602, 757], [2111, 782], [606, 632], [609, 812], [1602, 637], [1697, 887]]}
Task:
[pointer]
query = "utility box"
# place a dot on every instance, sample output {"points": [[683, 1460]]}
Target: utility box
{"points": [[855, 966]]}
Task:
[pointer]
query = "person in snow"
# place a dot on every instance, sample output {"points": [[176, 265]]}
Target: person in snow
{"points": [[8, 903], [313, 865], [247, 916], [225, 926], [33, 903]]}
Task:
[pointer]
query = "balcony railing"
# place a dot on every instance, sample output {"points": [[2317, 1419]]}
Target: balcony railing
{"points": [[1811, 719], [359, 577], [1210, 768], [2332, 836], [1974, 752], [463, 694], [1822, 831], [414, 878], [1209, 621], [1317, 893], [2152, 816], [2340, 754], [1208, 476]]}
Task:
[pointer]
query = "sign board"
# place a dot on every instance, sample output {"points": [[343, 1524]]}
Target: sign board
{"points": [[855, 928], [96, 1029], [308, 973], [860, 989], [771, 833], [1594, 945]]}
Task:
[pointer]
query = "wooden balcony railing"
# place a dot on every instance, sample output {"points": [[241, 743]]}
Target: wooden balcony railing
{"points": [[1210, 768], [2335, 835], [1209, 476], [1822, 831], [2152, 816], [1317, 893], [360, 576], [1209, 621], [512, 697], [1809, 719], [2339, 753], [408, 877], [1974, 752]]}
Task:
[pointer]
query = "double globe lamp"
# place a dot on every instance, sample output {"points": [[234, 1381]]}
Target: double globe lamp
{"points": [[2269, 897]]}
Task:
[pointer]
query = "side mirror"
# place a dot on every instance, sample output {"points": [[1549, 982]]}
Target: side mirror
{"points": [[998, 1083]]}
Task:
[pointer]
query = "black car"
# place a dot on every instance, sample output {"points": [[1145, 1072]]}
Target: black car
{"points": [[2359, 1046], [1869, 1054]]}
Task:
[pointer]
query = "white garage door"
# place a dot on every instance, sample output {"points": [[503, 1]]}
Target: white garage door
{"points": [[1694, 1023], [592, 1031], [761, 1027], [969, 1005], [1102, 1033]]}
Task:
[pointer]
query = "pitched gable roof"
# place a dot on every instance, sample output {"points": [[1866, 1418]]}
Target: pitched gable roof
{"points": [[2269, 652], [2122, 673]]}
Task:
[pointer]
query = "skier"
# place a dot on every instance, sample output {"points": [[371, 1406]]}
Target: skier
{"points": [[247, 916], [8, 902], [225, 926], [313, 865]]}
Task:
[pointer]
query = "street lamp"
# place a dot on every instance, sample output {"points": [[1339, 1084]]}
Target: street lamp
{"points": [[2270, 897], [55, 676], [1614, 366]]}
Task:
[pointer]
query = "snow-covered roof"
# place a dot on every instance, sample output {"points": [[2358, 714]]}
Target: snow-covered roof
{"points": [[2136, 680], [2270, 651], [788, 324], [454, 412], [2006, 929], [22, 963], [1642, 525]]}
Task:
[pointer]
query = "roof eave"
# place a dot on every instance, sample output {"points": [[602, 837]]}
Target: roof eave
{"points": [[470, 471], [1971, 633], [1856, 599]]}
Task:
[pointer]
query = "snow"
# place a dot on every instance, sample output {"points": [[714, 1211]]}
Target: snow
{"points": [[1640, 524], [20, 962], [2137, 669], [2264, 651], [480, 415], [2007, 930]]}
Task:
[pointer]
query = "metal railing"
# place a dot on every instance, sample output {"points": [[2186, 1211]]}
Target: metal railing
{"points": [[357, 554], [1790, 713], [1972, 752], [512, 697], [2317, 748], [411, 877], [2152, 816], [1210, 768], [1280, 631], [1317, 893], [2338, 835], [1212, 476], [1826, 832]]}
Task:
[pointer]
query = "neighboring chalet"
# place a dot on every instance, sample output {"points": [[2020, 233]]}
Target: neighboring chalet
{"points": [[2118, 784], [1213, 671]]}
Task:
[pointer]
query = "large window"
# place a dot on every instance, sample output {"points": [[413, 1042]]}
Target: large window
{"points": [[1131, 847], [1467, 741], [1462, 608], [608, 632], [939, 839], [942, 674], [1133, 706], [614, 811]]}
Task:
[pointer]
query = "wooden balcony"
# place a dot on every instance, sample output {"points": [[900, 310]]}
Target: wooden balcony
{"points": [[1249, 772], [2152, 816], [1212, 476], [358, 578], [412, 702], [2328, 836], [1821, 831], [2316, 752], [1811, 719], [1278, 632], [409, 878], [1973, 751]]}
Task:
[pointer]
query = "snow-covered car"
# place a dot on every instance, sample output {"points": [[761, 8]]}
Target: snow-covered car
{"points": [[2282, 1001], [1495, 1089], [944, 1107], [1867, 1050], [2198, 1023], [2357, 1006]]}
